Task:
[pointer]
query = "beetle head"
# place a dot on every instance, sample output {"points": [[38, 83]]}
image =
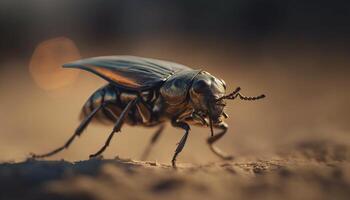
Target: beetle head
{"points": [[205, 92]]}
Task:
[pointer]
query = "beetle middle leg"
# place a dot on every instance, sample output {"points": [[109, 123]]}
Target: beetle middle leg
{"points": [[85, 122], [117, 127], [153, 140], [211, 140], [182, 142]]}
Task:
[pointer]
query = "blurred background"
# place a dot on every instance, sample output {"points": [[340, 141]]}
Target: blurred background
{"points": [[296, 52]]}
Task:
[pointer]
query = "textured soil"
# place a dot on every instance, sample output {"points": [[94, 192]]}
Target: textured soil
{"points": [[315, 171]]}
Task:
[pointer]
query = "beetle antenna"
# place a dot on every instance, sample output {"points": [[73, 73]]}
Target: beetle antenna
{"points": [[250, 98], [236, 94], [231, 95]]}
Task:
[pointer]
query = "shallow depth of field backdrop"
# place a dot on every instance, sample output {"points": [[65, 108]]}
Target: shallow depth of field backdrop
{"points": [[296, 53]]}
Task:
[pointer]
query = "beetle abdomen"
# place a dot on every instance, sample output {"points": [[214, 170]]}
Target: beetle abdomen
{"points": [[105, 94], [115, 101]]}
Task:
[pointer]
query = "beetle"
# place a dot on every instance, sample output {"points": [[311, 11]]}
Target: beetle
{"points": [[149, 92]]}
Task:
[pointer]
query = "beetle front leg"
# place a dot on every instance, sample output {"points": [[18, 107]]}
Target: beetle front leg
{"points": [[211, 140], [182, 142]]}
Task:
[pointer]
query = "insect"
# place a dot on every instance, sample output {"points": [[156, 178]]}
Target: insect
{"points": [[149, 92]]}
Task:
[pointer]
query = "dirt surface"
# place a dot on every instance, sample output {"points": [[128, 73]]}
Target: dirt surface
{"points": [[314, 171]]}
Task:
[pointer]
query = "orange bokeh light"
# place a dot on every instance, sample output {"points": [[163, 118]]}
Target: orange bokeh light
{"points": [[47, 60]]}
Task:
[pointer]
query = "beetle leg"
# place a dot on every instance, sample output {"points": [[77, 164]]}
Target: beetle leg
{"points": [[198, 117], [211, 140], [77, 132], [154, 139], [182, 142], [117, 127]]}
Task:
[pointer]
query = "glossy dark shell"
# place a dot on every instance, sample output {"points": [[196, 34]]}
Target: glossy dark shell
{"points": [[130, 72], [175, 89]]}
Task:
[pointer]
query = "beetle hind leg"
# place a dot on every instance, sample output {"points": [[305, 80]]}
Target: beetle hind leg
{"points": [[116, 128], [85, 122], [215, 138]]}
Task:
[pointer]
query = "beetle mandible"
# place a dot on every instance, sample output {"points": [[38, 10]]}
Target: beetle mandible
{"points": [[150, 92]]}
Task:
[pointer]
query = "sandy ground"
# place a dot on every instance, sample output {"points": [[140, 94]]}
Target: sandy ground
{"points": [[314, 171], [298, 177]]}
